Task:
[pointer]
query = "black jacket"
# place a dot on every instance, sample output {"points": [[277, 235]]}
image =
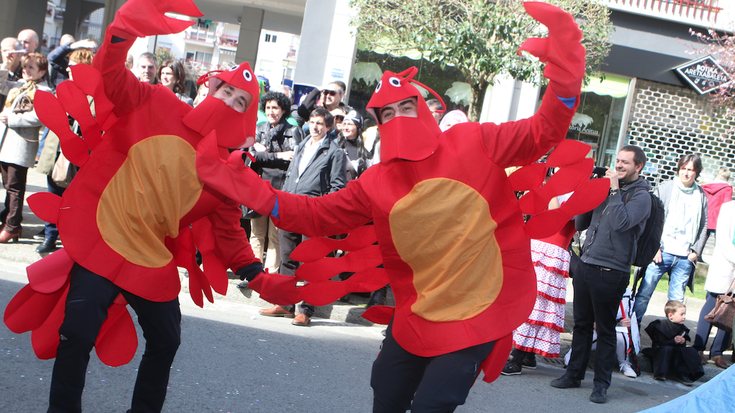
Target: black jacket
{"points": [[281, 138], [324, 174], [613, 227]]}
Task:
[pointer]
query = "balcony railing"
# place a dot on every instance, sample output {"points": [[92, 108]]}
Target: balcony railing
{"points": [[225, 40], [698, 12], [200, 35]]}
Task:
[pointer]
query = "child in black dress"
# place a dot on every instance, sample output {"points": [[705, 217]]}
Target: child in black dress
{"points": [[669, 352]]}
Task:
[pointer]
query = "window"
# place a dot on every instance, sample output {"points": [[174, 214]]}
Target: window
{"points": [[203, 57], [270, 38], [267, 37]]}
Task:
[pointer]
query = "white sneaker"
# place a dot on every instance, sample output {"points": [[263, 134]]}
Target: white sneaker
{"points": [[627, 370]]}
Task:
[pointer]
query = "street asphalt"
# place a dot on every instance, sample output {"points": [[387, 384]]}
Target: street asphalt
{"points": [[239, 361]]}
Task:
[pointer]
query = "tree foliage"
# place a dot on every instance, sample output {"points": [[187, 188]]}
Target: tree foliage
{"points": [[478, 37], [722, 48]]}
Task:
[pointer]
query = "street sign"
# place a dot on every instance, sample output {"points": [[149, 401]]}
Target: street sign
{"points": [[704, 75]]}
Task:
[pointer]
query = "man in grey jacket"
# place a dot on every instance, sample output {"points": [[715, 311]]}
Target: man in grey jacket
{"points": [[685, 229], [317, 169], [600, 280]]}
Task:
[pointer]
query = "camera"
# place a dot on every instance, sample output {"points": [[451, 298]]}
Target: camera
{"points": [[599, 172]]}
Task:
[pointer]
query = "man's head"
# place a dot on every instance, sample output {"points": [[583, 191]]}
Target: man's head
{"points": [[228, 108], [689, 167], [275, 105], [402, 113], [286, 91], [332, 94], [723, 174], [630, 163], [436, 108], [10, 52], [147, 67], [29, 39], [67, 38], [320, 122]]}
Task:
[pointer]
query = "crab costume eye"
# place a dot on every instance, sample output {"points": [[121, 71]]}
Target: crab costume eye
{"points": [[377, 88], [395, 82], [233, 68], [247, 75]]}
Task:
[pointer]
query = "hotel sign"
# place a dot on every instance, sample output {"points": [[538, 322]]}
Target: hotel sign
{"points": [[704, 75]]}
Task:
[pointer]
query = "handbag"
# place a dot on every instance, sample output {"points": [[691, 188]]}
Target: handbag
{"points": [[24, 104], [723, 315], [64, 171]]}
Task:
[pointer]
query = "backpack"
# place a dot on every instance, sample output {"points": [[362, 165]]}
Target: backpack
{"points": [[650, 240]]}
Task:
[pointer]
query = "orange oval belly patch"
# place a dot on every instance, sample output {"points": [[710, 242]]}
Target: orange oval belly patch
{"points": [[444, 231], [145, 200]]}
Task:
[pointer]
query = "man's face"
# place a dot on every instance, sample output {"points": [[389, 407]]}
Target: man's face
{"points": [[147, 70], [317, 127], [405, 107], [29, 40], [273, 112], [9, 52], [31, 71], [687, 174], [436, 113], [626, 168], [234, 97], [332, 96]]}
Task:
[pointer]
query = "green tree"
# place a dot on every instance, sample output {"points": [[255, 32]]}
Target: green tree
{"points": [[478, 37], [164, 54]]}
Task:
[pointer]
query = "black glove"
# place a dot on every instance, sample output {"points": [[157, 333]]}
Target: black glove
{"points": [[249, 272]]}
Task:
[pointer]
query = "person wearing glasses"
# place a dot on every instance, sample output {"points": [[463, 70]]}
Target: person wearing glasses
{"points": [[328, 97]]}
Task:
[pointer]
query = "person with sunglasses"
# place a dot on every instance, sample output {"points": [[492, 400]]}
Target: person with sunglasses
{"points": [[328, 96]]}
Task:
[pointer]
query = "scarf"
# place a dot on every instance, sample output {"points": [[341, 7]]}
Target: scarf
{"points": [[273, 134], [28, 87], [675, 221]]}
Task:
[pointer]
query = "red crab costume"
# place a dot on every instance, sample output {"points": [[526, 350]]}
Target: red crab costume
{"points": [[137, 209], [449, 229]]}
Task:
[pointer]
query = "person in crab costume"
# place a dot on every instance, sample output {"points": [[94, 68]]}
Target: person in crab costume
{"points": [[450, 232], [136, 210]]}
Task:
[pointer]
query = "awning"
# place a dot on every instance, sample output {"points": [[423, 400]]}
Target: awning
{"points": [[615, 86]]}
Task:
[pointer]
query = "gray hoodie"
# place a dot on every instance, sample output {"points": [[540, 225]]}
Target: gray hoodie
{"points": [[613, 227]]}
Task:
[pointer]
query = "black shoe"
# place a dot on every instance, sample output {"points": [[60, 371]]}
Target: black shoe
{"points": [[378, 297], [684, 379], [565, 382], [599, 395], [49, 245], [661, 377], [41, 234], [529, 361], [511, 368]]}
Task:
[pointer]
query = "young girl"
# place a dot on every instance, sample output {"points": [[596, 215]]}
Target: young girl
{"points": [[19, 130]]}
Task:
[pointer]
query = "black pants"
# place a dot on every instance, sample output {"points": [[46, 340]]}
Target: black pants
{"points": [[597, 295], [402, 381], [86, 308], [289, 241]]}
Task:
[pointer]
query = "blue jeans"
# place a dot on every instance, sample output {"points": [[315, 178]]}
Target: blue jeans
{"points": [[679, 269]]}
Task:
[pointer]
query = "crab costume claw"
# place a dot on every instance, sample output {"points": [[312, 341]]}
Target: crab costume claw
{"points": [[276, 288], [561, 51], [232, 178], [573, 176], [39, 307], [128, 18]]}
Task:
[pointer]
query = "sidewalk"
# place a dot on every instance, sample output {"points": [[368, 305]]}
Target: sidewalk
{"points": [[348, 312]]}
